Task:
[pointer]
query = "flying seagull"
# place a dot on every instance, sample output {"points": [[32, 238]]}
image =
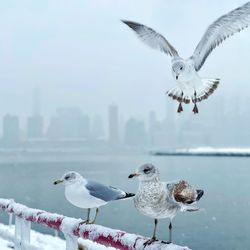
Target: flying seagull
{"points": [[159, 200], [190, 87], [89, 194]]}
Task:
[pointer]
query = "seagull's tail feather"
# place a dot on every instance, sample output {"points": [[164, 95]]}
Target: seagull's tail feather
{"points": [[128, 195], [177, 94], [189, 209], [206, 89], [125, 196]]}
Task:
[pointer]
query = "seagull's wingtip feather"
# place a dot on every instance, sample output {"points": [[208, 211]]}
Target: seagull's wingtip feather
{"points": [[131, 24], [125, 21]]}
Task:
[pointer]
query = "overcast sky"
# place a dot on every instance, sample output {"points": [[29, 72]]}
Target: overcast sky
{"points": [[80, 54]]}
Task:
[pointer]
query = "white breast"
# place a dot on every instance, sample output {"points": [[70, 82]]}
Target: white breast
{"points": [[79, 196]]}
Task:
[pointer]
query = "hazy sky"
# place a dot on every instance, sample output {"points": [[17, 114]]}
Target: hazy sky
{"points": [[80, 54]]}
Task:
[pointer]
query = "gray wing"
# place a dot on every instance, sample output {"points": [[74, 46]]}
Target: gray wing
{"points": [[103, 192], [152, 38], [224, 27]]}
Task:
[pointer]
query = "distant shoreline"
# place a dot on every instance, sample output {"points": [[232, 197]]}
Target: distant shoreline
{"points": [[79, 155], [206, 151], [201, 154]]}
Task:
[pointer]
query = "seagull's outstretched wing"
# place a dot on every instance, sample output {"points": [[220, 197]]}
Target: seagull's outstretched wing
{"points": [[224, 27], [152, 38], [106, 193]]}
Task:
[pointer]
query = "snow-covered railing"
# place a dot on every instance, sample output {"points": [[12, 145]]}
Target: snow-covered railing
{"points": [[72, 230]]}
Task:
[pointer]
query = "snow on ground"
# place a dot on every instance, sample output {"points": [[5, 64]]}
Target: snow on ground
{"points": [[41, 241]]}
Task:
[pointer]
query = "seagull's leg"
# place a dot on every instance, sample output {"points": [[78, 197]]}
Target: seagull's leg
{"points": [[170, 232], [180, 109], [96, 213], [88, 215], [155, 226], [195, 109], [87, 220], [150, 241]]}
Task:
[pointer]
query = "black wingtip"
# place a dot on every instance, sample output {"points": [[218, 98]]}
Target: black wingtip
{"points": [[125, 21], [129, 195], [131, 24], [200, 193]]}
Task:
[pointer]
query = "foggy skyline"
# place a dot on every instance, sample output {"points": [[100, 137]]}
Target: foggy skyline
{"points": [[73, 127], [80, 54]]}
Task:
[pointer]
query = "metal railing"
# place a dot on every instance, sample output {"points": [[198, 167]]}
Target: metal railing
{"points": [[72, 230]]}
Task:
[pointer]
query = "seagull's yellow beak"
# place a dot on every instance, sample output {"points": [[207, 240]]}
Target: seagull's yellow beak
{"points": [[133, 175], [57, 182]]}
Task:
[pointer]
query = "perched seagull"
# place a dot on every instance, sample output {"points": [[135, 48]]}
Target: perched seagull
{"points": [[189, 85], [89, 194], [159, 200]]}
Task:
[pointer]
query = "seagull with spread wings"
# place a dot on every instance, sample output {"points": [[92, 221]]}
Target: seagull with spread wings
{"points": [[190, 87]]}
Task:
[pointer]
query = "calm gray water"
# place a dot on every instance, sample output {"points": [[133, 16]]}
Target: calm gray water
{"points": [[224, 224]]}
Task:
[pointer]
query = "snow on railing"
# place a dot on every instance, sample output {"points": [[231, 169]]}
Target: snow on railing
{"points": [[72, 230]]}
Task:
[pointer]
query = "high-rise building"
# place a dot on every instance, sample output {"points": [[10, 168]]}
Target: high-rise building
{"points": [[11, 130], [135, 133], [69, 123], [152, 119], [84, 126], [156, 131], [97, 130], [113, 118], [35, 127]]}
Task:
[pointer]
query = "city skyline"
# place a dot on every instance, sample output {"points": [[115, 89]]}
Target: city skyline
{"points": [[111, 128]]}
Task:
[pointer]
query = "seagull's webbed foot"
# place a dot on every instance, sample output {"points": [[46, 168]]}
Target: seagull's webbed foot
{"points": [[84, 222], [90, 222], [149, 242], [87, 221], [166, 242], [195, 109], [180, 99], [180, 109], [96, 213]]}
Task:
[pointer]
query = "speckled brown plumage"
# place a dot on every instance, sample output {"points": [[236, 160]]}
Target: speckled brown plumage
{"points": [[184, 193]]}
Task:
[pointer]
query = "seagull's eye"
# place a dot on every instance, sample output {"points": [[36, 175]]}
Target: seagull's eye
{"points": [[146, 170], [67, 177], [181, 68]]}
